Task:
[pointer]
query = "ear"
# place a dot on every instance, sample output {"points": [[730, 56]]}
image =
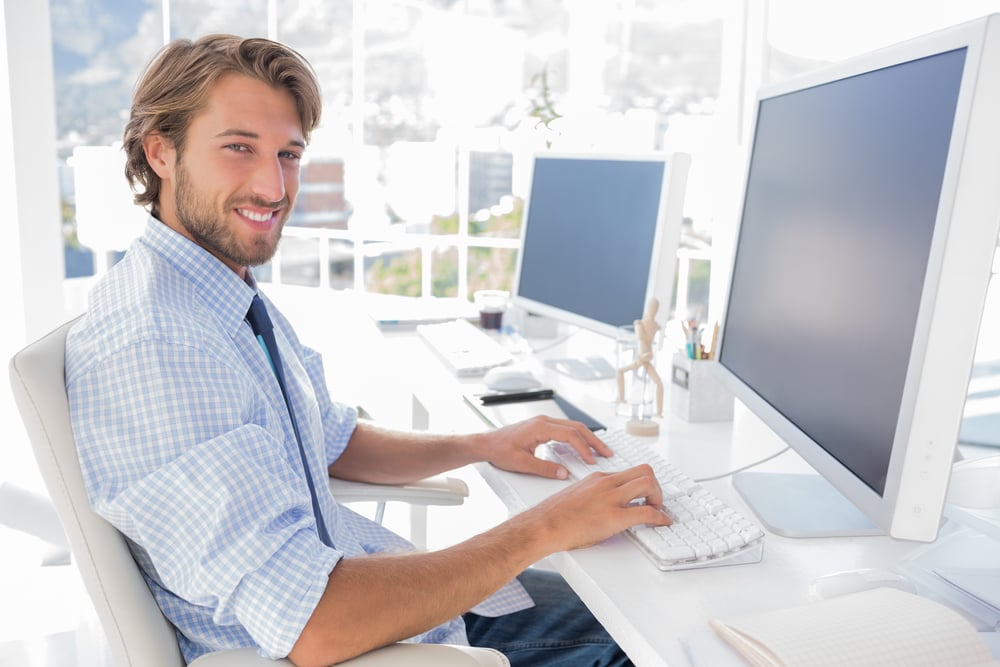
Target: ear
{"points": [[160, 154]]}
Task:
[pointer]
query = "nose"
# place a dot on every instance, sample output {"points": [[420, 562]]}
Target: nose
{"points": [[268, 181]]}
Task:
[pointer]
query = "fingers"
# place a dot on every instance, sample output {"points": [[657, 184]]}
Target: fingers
{"points": [[635, 489], [639, 494], [593, 442], [578, 436], [601, 505], [511, 443], [544, 468], [647, 514], [639, 483]]}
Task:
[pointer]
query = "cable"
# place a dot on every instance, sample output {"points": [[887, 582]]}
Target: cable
{"points": [[746, 467]]}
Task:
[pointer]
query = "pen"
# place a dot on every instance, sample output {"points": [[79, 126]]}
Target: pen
{"points": [[693, 345], [516, 396]]}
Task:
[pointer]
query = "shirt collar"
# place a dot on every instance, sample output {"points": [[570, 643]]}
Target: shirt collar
{"points": [[224, 292]]}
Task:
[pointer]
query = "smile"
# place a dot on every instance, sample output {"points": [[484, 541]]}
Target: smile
{"points": [[256, 217]]}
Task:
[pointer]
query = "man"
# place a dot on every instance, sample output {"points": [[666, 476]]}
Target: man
{"points": [[207, 448]]}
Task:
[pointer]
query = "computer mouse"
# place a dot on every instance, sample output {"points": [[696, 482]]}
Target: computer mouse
{"points": [[854, 581], [510, 378]]}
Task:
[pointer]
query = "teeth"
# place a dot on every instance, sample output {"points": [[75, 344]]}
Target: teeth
{"points": [[256, 217]]}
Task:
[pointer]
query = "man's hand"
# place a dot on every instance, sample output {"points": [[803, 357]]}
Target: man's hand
{"points": [[513, 447], [599, 506]]}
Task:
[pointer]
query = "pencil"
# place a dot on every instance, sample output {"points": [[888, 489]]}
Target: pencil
{"points": [[715, 339]]}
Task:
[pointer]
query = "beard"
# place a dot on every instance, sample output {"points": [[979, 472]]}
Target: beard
{"points": [[207, 225]]}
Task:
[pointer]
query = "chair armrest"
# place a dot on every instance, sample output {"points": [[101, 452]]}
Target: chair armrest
{"points": [[431, 491], [31, 513], [411, 655]]}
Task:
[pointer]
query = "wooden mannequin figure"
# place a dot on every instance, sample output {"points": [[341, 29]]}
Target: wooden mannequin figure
{"points": [[645, 337]]}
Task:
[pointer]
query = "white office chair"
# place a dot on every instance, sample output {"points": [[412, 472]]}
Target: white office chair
{"points": [[437, 490], [137, 632]]}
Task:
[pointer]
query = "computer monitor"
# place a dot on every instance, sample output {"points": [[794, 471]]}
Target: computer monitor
{"points": [[869, 221], [599, 237]]}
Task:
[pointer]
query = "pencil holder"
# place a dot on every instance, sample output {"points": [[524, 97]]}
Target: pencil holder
{"points": [[696, 395]]}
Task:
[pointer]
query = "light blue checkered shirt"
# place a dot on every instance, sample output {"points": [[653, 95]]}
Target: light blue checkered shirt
{"points": [[187, 448]]}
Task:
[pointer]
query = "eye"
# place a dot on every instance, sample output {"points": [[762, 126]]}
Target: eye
{"points": [[237, 148], [289, 155]]}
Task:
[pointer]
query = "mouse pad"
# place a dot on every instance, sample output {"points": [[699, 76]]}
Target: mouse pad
{"points": [[502, 414]]}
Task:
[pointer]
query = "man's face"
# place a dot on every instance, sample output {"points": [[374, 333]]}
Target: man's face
{"points": [[233, 186]]}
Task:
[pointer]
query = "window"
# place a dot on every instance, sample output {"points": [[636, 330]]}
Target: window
{"points": [[415, 181], [433, 108]]}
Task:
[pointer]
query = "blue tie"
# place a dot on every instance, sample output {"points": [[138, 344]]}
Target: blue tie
{"points": [[261, 324]]}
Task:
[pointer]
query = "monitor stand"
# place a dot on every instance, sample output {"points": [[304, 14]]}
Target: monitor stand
{"points": [[591, 368], [801, 505]]}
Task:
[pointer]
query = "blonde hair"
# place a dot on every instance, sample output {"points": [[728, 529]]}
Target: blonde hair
{"points": [[176, 86]]}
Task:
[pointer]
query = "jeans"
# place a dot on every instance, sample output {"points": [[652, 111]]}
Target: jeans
{"points": [[559, 631]]}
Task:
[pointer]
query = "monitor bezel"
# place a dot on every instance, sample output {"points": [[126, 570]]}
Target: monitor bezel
{"points": [[666, 238], [952, 298]]}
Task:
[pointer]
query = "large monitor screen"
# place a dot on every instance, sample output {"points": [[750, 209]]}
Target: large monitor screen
{"points": [[855, 259], [841, 200], [599, 237]]}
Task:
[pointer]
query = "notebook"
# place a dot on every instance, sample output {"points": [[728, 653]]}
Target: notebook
{"points": [[873, 628]]}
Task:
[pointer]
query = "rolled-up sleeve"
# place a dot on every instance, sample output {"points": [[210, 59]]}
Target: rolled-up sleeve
{"points": [[180, 452]]}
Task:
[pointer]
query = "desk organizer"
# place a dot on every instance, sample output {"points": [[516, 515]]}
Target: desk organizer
{"points": [[696, 395]]}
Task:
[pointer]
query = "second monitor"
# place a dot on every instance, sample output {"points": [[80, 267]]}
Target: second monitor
{"points": [[599, 237]]}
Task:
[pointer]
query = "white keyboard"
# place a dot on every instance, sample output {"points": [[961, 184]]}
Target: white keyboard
{"points": [[466, 349], [706, 531]]}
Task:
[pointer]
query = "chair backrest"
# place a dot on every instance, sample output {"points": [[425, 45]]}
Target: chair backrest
{"points": [[137, 631]]}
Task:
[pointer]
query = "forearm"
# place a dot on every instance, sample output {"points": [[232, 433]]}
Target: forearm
{"points": [[374, 601], [370, 602], [391, 457], [395, 457]]}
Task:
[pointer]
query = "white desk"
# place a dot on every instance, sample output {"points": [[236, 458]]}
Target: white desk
{"points": [[650, 612]]}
